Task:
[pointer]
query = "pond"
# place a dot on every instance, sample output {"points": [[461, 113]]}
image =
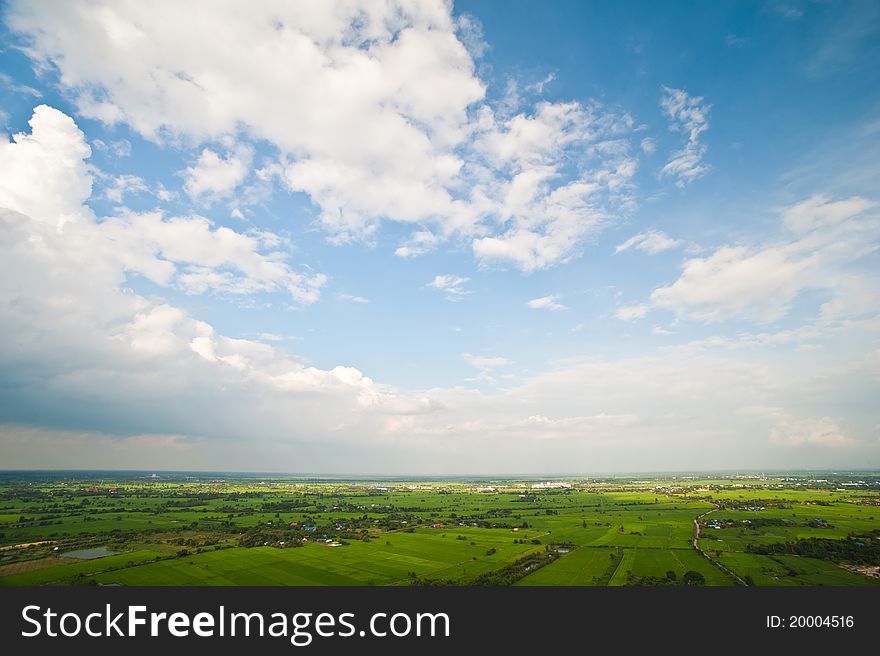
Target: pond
{"points": [[89, 554]]}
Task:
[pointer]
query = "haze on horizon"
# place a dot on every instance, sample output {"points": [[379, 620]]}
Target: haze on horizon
{"points": [[425, 238]]}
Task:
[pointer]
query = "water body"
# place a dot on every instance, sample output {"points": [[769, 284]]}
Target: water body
{"points": [[89, 554]]}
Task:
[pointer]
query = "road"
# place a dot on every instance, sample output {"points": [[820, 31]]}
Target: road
{"points": [[696, 544]]}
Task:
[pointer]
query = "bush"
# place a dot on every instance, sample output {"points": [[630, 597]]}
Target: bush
{"points": [[693, 578]]}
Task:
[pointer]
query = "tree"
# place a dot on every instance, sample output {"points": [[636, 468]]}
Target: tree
{"points": [[671, 575], [693, 578]]}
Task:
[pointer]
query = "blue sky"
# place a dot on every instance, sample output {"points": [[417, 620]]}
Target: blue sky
{"points": [[480, 238]]}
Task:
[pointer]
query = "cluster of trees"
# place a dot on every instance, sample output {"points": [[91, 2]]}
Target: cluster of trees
{"points": [[860, 549], [510, 574], [688, 578]]}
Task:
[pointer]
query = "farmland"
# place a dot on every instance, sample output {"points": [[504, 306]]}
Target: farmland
{"points": [[92, 528]]}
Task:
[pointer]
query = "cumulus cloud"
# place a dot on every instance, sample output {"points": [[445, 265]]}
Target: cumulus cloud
{"points": [[213, 177], [49, 182], [377, 114], [367, 109], [452, 286], [81, 336], [651, 242], [824, 240], [546, 215], [547, 303], [44, 173], [689, 115], [403, 134], [80, 346]]}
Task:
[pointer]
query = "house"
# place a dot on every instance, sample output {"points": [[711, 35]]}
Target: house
{"points": [[294, 524], [436, 525]]}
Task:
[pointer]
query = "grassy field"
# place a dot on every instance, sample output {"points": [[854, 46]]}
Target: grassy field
{"points": [[317, 564], [194, 530]]}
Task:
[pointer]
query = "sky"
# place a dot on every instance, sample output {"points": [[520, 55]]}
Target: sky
{"points": [[422, 238]]}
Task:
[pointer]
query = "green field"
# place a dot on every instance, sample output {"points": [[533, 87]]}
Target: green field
{"points": [[238, 530]]}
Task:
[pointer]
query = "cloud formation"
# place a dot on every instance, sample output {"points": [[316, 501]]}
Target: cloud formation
{"points": [[547, 303], [689, 115], [651, 242], [451, 285], [822, 239], [377, 114], [213, 177]]}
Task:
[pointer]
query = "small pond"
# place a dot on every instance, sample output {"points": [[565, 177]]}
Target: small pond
{"points": [[89, 554]]}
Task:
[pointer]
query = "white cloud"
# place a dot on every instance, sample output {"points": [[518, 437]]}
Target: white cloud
{"points": [[78, 342], [631, 312], [118, 148], [595, 427], [74, 336], [164, 194], [546, 216], [484, 362], [452, 285], [354, 299], [378, 115], [14, 87], [581, 415], [367, 110], [485, 365], [638, 413], [819, 212], [547, 303], [214, 177], [538, 87], [87, 339], [121, 185], [825, 240], [53, 157], [49, 182], [690, 115], [823, 431], [419, 243], [651, 242], [648, 145]]}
